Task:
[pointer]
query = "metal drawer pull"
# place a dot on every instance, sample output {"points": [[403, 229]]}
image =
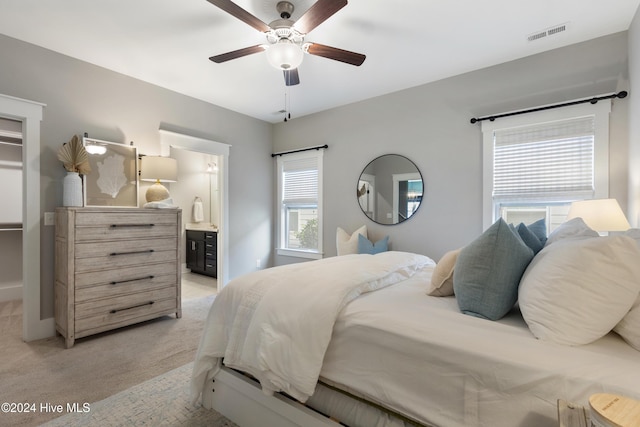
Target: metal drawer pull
{"points": [[132, 280], [131, 225], [146, 251], [130, 308]]}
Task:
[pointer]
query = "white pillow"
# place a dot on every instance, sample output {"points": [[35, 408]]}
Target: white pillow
{"points": [[348, 243], [576, 291], [575, 228], [629, 326], [441, 284]]}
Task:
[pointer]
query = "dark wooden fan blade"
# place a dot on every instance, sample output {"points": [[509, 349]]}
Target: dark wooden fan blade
{"points": [[291, 77], [223, 57], [336, 54], [317, 14], [235, 10]]}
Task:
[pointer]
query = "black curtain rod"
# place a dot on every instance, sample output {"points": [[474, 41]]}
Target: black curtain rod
{"points": [[621, 94], [282, 153]]}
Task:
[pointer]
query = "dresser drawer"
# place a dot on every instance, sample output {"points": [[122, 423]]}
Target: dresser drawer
{"points": [[125, 258], [103, 249], [124, 232], [92, 318], [105, 277], [125, 217], [142, 284]]}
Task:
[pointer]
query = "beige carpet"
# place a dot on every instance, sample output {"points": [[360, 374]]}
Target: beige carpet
{"points": [[95, 367], [161, 401]]}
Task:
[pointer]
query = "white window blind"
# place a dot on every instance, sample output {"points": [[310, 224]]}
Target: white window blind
{"points": [[300, 178], [548, 161]]}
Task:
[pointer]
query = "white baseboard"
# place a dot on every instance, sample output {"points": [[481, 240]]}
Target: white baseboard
{"points": [[11, 292]]}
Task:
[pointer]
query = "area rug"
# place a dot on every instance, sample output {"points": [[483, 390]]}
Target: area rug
{"points": [[161, 401]]}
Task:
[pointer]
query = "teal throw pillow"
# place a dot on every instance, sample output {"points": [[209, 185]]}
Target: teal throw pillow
{"points": [[488, 271], [365, 246], [539, 228], [529, 238]]}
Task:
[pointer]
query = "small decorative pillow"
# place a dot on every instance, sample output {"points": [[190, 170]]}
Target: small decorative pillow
{"points": [[442, 277], [539, 228], [576, 290], [488, 271], [575, 228], [365, 246], [529, 238], [348, 243]]}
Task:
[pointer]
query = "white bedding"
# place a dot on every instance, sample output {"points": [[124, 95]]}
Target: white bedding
{"points": [[419, 356], [276, 323]]}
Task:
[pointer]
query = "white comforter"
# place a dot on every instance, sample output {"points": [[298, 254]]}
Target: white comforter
{"points": [[276, 323]]}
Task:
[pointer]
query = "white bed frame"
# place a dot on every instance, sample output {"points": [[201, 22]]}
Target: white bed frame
{"points": [[242, 401]]}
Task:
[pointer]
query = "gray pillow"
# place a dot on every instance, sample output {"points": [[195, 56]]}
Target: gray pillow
{"points": [[529, 238], [539, 228], [488, 271]]}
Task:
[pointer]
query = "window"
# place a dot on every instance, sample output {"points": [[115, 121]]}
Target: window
{"points": [[300, 204], [535, 165]]}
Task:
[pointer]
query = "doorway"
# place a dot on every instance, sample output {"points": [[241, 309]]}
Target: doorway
{"points": [[219, 153], [30, 114]]}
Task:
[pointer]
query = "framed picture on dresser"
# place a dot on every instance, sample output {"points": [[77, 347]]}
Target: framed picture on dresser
{"points": [[113, 180]]}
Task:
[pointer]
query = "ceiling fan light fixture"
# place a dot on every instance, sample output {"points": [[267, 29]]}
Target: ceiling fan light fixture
{"points": [[285, 55]]}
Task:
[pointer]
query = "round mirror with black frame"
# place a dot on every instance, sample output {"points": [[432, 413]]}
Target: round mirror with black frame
{"points": [[390, 189]]}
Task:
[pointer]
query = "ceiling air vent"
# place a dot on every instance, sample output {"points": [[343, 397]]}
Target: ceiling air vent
{"points": [[556, 29]]}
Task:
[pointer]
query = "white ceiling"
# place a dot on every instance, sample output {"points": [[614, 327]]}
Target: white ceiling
{"points": [[407, 43]]}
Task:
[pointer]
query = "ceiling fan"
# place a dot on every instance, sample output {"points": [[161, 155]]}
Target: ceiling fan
{"points": [[286, 43]]}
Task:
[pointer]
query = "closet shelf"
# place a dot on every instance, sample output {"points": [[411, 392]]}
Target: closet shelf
{"points": [[10, 226], [14, 144]]}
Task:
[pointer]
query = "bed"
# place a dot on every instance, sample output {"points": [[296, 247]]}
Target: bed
{"points": [[384, 353]]}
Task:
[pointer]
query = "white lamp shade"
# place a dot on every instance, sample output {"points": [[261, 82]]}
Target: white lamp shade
{"points": [[285, 55], [156, 168], [600, 214]]}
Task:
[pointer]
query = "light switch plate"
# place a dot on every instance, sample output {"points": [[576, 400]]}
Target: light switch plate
{"points": [[49, 218]]}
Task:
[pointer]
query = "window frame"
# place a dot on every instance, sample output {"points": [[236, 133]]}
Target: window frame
{"points": [[282, 225], [600, 111]]}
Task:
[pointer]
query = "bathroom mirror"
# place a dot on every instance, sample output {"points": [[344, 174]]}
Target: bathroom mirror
{"points": [[390, 189]]}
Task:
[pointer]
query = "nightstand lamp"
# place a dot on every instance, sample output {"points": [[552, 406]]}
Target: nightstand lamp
{"points": [[601, 215], [158, 169]]}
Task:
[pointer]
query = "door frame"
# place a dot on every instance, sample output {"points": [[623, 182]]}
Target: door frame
{"points": [[170, 139], [30, 114]]}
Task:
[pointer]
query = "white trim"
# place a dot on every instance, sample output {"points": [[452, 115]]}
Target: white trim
{"points": [[30, 114], [11, 292], [299, 254], [243, 402], [599, 110], [170, 139], [319, 155]]}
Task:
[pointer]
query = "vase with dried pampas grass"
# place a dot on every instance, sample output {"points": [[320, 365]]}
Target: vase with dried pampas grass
{"points": [[75, 159]]}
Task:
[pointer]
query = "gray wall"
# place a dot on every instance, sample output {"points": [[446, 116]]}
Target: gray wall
{"points": [[633, 213], [430, 125], [81, 97]]}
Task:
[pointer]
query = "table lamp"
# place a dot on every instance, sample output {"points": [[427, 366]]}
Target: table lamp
{"points": [[601, 215], [158, 169]]}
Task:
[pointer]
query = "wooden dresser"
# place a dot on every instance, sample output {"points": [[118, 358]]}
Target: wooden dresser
{"points": [[115, 267]]}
